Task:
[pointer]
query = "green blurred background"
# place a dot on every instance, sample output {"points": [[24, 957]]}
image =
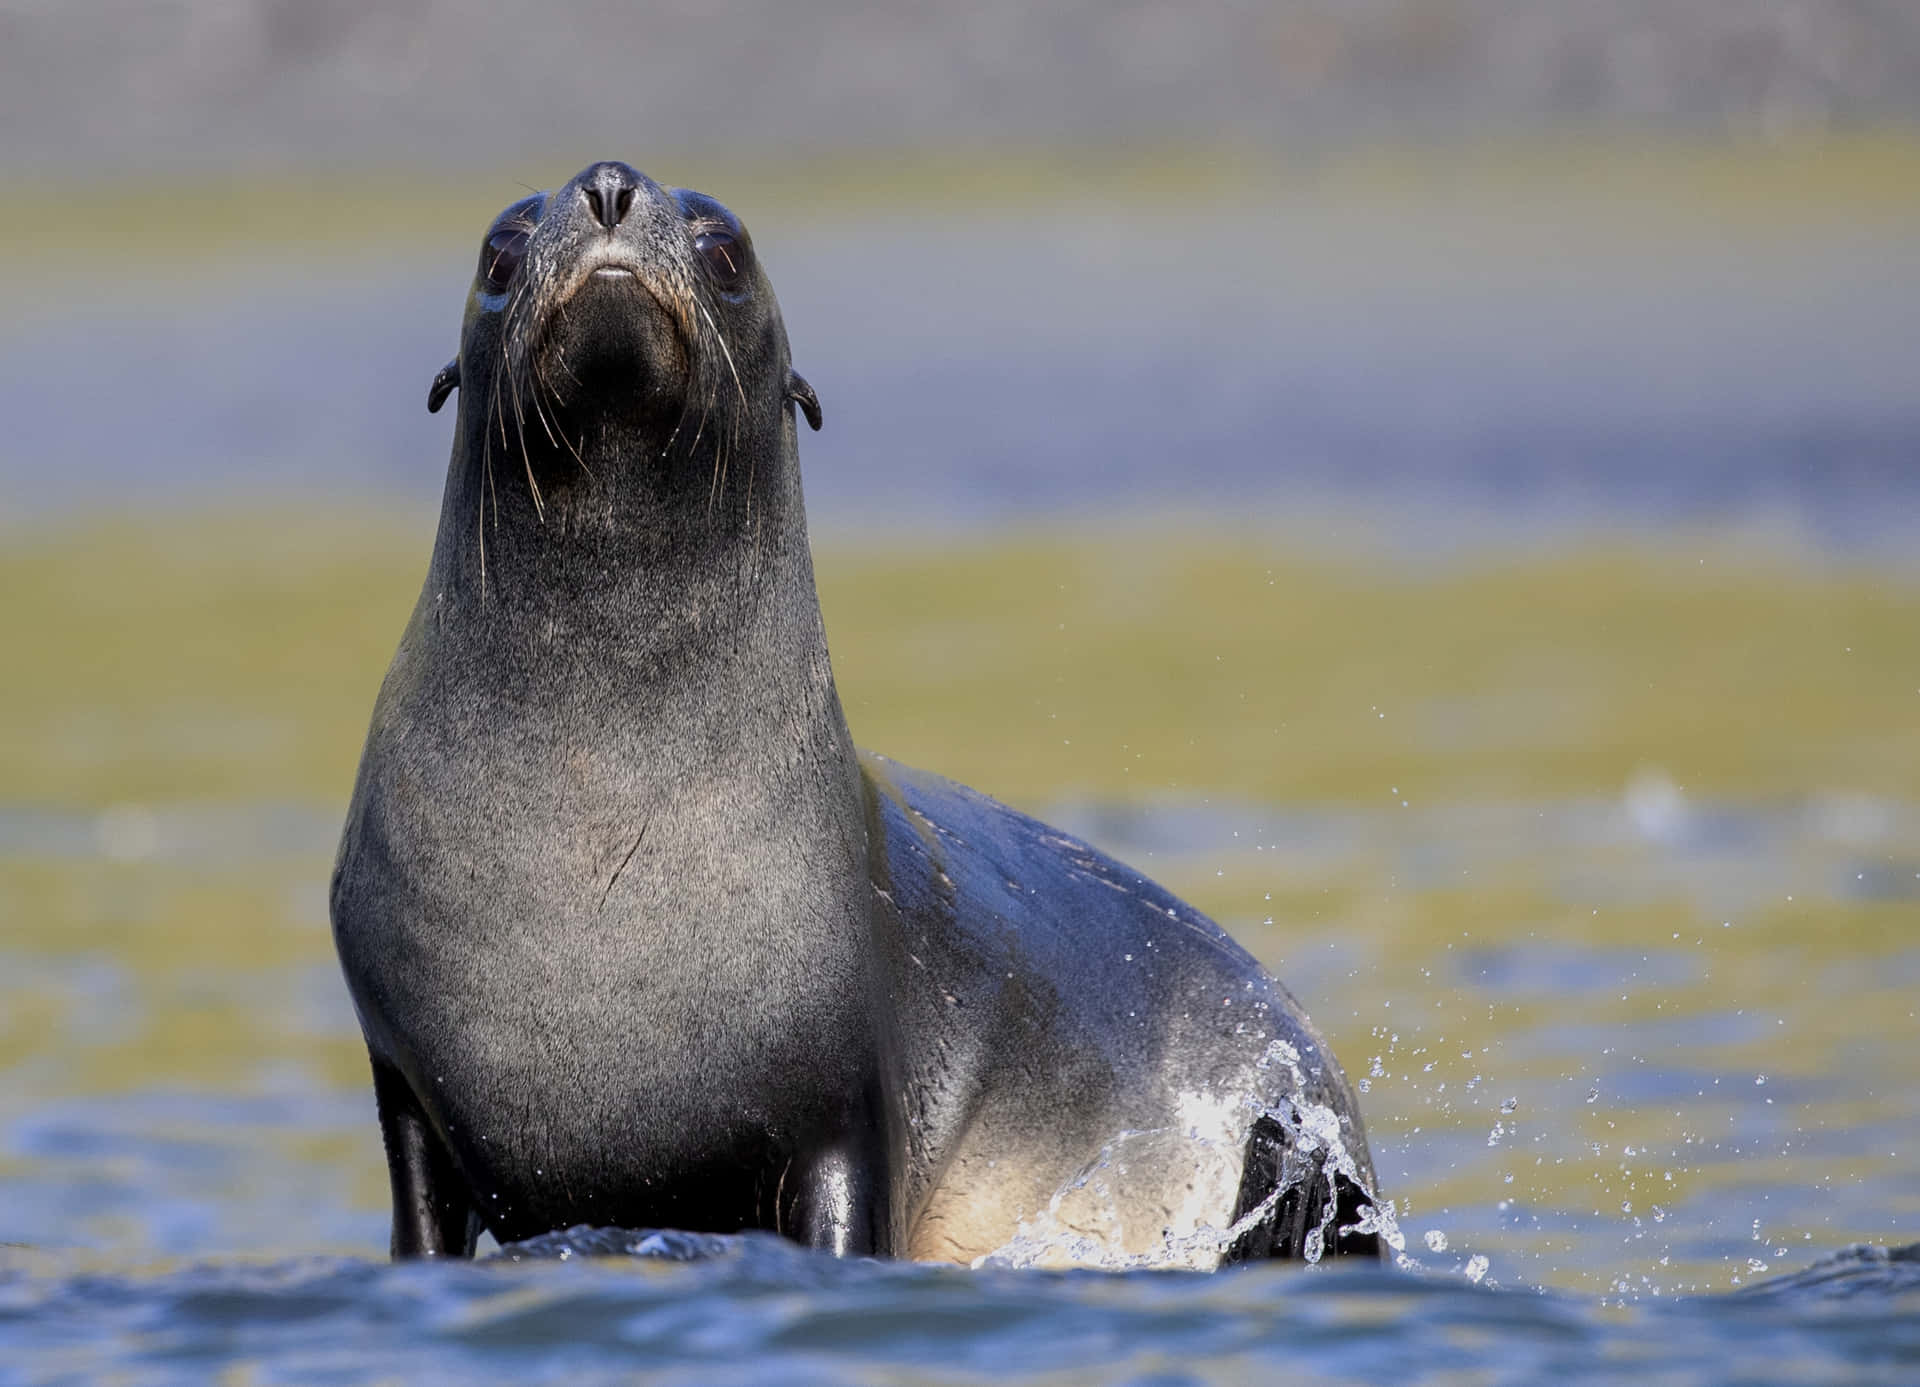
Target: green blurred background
{"points": [[1433, 483]]}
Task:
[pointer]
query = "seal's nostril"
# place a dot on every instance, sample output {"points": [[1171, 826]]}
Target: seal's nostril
{"points": [[608, 190]]}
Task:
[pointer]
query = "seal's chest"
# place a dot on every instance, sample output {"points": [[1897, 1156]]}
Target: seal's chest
{"points": [[678, 1110], [566, 1150]]}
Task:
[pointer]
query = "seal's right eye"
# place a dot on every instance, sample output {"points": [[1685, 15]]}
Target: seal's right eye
{"points": [[506, 248], [506, 243], [724, 255]]}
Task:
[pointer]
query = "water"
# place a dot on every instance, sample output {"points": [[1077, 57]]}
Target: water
{"points": [[1601, 875], [1621, 1139], [752, 1310], [1566, 349]]}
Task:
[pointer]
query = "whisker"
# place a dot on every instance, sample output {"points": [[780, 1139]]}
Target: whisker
{"points": [[540, 382], [753, 469], [721, 339], [526, 458], [718, 482], [487, 442], [694, 446], [480, 513]]}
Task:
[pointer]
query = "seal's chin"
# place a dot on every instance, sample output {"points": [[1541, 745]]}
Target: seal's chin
{"points": [[611, 346]]}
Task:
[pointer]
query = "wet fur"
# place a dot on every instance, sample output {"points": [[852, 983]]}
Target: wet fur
{"points": [[638, 938]]}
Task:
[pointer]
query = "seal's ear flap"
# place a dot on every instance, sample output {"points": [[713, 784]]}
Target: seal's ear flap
{"points": [[802, 394], [448, 381]]}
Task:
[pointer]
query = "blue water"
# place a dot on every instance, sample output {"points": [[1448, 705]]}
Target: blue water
{"points": [[1555, 367], [756, 1310], [1639, 1149], [1699, 1114]]}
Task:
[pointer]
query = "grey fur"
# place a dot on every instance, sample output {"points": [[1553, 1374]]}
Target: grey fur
{"points": [[638, 938]]}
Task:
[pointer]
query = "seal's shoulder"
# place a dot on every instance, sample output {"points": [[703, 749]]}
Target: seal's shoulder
{"points": [[942, 839]]}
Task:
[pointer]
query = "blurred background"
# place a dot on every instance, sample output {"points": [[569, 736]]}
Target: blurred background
{"points": [[1435, 483]]}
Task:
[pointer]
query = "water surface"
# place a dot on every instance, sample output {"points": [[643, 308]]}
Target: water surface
{"points": [[1541, 708], [1569, 336]]}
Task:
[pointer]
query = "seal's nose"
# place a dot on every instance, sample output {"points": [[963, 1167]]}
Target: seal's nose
{"points": [[608, 189]]}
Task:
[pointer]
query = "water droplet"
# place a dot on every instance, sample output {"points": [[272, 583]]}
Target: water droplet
{"points": [[1593, 1095], [1507, 1105], [1476, 1268], [1436, 1240]]}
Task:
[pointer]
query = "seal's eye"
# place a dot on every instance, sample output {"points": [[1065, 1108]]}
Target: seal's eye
{"points": [[725, 257], [718, 238], [506, 248], [506, 243]]}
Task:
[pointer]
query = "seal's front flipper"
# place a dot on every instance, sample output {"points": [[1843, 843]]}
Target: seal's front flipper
{"points": [[432, 1216], [834, 1200], [445, 382], [1300, 1209]]}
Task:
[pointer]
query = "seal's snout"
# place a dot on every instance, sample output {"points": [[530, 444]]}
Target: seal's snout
{"points": [[608, 188], [614, 296]]}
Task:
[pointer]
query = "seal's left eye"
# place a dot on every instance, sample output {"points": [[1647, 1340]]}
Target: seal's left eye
{"points": [[725, 257], [506, 248]]}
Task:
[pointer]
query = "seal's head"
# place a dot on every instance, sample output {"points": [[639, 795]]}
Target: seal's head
{"points": [[614, 309]]}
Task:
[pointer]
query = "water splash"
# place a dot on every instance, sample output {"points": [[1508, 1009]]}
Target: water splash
{"points": [[1092, 1220]]}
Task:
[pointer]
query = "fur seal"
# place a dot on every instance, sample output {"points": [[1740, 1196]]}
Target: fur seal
{"points": [[638, 938]]}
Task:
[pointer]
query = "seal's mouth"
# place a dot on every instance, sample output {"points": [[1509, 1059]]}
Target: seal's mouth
{"points": [[610, 335], [602, 265], [613, 298]]}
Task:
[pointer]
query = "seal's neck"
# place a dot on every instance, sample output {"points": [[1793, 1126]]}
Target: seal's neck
{"points": [[637, 663], [599, 550]]}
